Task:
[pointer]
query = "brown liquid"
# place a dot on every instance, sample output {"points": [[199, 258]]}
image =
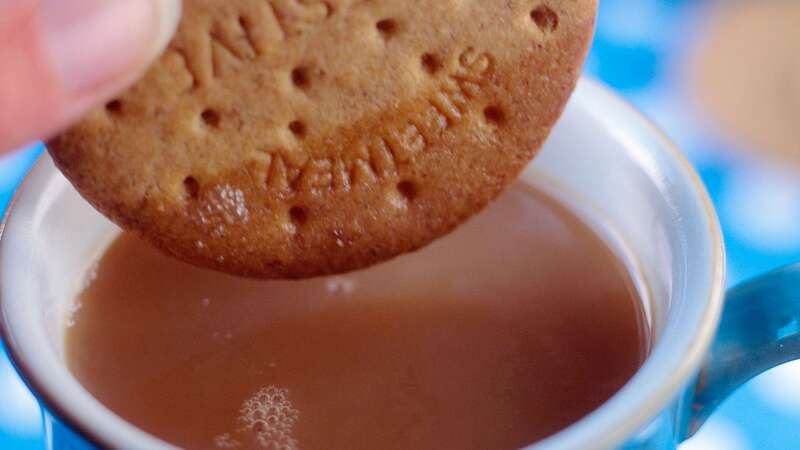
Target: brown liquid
{"points": [[507, 331]]}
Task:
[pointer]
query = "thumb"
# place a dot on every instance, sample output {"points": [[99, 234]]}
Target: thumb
{"points": [[60, 58]]}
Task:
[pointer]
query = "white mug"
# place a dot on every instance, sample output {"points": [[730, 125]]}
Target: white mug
{"points": [[602, 156]]}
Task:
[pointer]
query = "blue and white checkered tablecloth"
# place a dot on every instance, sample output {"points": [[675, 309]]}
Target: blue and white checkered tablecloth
{"points": [[639, 49]]}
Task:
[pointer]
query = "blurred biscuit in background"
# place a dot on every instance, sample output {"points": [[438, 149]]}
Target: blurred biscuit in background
{"points": [[744, 71]]}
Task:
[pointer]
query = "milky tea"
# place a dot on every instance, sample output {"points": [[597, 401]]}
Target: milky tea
{"points": [[510, 329]]}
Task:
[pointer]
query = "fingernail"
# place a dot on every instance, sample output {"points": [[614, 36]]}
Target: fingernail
{"points": [[93, 43]]}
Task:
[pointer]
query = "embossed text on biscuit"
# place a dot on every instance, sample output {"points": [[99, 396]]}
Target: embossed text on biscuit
{"points": [[380, 156], [259, 27]]}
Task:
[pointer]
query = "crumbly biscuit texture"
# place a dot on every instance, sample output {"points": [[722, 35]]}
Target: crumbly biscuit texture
{"points": [[290, 138]]}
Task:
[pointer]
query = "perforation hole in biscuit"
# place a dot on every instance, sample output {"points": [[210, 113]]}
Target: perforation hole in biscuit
{"points": [[495, 115], [114, 107], [407, 189], [298, 216], [301, 77], [192, 187], [545, 18], [298, 129], [211, 118], [387, 27], [431, 63]]}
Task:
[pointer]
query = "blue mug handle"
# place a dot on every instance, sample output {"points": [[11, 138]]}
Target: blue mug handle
{"points": [[759, 330]]}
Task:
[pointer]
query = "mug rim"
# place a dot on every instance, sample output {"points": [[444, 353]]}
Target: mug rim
{"points": [[578, 434], [583, 433]]}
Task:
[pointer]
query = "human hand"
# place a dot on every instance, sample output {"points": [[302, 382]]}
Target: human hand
{"points": [[60, 58]]}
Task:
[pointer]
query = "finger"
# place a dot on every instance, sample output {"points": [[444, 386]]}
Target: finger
{"points": [[59, 58]]}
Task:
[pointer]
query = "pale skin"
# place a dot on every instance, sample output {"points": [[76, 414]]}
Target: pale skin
{"points": [[61, 58]]}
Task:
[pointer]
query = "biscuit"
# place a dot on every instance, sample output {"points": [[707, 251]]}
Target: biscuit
{"points": [[289, 138]]}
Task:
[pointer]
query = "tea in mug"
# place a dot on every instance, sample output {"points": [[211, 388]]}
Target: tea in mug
{"points": [[510, 329]]}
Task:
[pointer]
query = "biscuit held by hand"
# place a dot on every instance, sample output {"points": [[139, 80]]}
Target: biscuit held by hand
{"points": [[277, 138]]}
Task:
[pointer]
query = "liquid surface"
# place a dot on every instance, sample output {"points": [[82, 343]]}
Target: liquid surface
{"points": [[508, 330]]}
